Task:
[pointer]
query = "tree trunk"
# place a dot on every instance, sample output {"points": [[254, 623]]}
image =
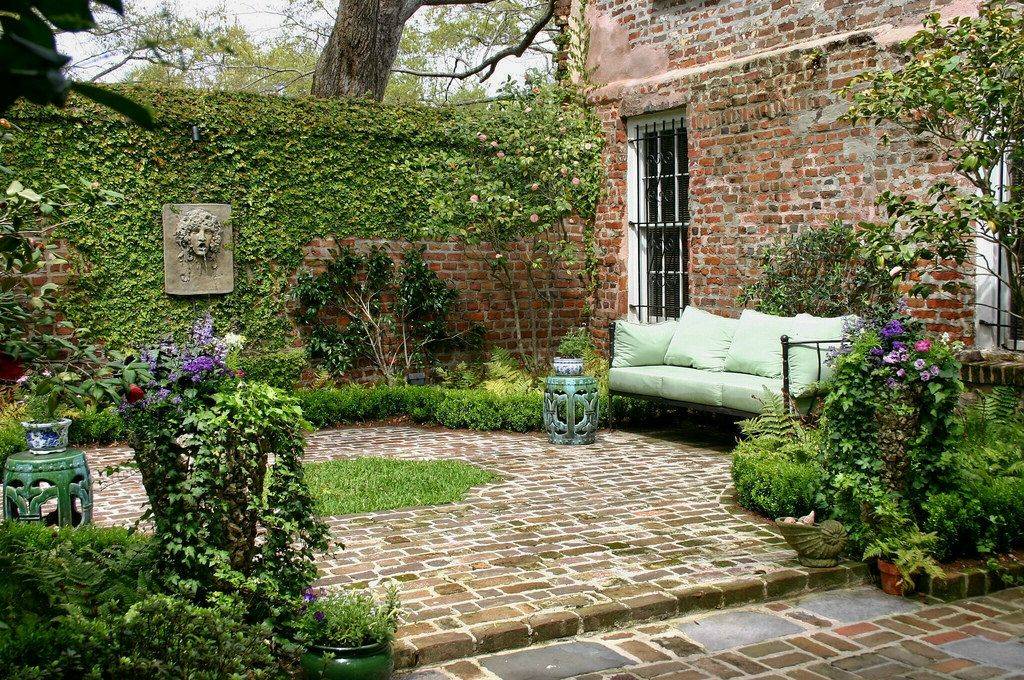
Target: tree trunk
{"points": [[357, 60]]}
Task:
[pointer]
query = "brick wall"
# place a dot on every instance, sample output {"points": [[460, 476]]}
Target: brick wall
{"points": [[756, 84], [482, 299]]}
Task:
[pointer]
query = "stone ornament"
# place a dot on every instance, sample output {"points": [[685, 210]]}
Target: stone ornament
{"points": [[197, 249]]}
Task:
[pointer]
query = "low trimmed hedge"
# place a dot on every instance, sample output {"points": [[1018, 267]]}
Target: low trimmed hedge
{"points": [[774, 484], [984, 517], [455, 408], [282, 370]]}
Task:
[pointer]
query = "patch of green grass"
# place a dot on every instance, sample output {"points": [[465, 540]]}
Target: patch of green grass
{"points": [[344, 487]]}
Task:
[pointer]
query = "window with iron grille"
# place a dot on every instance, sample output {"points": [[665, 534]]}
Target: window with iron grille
{"points": [[659, 218], [997, 310]]}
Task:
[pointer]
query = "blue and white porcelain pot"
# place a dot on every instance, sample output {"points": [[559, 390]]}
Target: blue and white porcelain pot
{"points": [[568, 366], [47, 437]]}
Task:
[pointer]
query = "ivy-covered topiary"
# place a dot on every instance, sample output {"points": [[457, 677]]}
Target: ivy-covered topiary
{"points": [[293, 170]]}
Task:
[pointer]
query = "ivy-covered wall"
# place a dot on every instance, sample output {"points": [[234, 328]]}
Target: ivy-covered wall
{"points": [[294, 171]]}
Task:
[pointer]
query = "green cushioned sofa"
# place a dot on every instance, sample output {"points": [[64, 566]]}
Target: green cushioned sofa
{"points": [[720, 364]]}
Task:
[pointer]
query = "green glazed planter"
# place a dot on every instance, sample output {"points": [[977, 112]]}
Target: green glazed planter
{"points": [[369, 662]]}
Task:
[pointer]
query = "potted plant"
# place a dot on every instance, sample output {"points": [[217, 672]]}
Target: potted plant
{"points": [[571, 350], [348, 634], [900, 557], [816, 544]]}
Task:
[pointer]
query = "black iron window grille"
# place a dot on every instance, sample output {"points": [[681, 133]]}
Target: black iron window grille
{"points": [[1005, 319], [660, 219]]}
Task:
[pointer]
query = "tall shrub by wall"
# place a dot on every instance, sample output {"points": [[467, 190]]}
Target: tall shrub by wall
{"points": [[295, 171]]}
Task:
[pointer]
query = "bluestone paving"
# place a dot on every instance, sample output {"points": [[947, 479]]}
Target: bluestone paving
{"points": [[1008, 655], [933, 641], [737, 628], [859, 604], [554, 662]]}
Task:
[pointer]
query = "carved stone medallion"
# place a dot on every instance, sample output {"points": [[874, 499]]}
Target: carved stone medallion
{"points": [[197, 249]]}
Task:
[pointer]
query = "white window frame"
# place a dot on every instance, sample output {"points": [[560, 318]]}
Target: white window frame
{"points": [[637, 247]]}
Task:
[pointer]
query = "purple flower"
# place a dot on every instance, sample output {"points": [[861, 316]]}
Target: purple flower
{"points": [[923, 345], [893, 329], [891, 383], [934, 370], [308, 595], [319, 616], [202, 330], [920, 364], [901, 373], [877, 351], [926, 376]]}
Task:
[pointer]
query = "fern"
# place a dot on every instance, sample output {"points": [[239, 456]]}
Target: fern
{"points": [[774, 421], [505, 375]]}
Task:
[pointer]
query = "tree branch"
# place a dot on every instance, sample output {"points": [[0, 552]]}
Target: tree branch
{"points": [[489, 64]]}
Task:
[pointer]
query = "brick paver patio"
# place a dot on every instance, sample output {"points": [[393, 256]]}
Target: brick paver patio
{"points": [[572, 539], [840, 635]]}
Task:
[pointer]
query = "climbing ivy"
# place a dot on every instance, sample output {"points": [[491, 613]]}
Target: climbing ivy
{"points": [[293, 170]]}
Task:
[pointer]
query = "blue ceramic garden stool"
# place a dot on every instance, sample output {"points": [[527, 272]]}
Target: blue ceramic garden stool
{"points": [[57, 484], [571, 409]]}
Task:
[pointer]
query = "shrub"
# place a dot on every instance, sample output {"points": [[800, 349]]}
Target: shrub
{"points": [[282, 370], [96, 427], [772, 482], [575, 344], [820, 272]]}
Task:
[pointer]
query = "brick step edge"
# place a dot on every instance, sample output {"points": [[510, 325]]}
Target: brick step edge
{"points": [[971, 582], [434, 648]]}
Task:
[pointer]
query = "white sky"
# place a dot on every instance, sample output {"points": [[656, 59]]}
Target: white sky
{"points": [[261, 21]]}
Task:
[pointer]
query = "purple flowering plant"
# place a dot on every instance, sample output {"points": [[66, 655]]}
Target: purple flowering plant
{"points": [[183, 371], [348, 618]]}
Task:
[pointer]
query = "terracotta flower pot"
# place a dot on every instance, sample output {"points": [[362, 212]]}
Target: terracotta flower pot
{"points": [[892, 581]]}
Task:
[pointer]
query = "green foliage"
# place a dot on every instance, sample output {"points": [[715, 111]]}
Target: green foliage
{"points": [[345, 487], [350, 618], [364, 307], [33, 68], [83, 603], [774, 421], [890, 427], [282, 369], [820, 272], [293, 170], [575, 344], [504, 374], [958, 90], [909, 550], [776, 470]]}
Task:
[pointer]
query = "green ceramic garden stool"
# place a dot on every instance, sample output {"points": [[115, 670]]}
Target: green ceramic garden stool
{"points": [[31, 480], [571, 409]]}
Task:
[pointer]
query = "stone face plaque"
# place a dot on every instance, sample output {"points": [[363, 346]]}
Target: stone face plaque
{"points": [[197, 249]]}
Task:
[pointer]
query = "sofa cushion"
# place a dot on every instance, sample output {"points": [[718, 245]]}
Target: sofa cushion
{"points": [[701, 340], [756, 347], [691, 385], [805, 362], [641, 344], [645, 380], [745, 392]]}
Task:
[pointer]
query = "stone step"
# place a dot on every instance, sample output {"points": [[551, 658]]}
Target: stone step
{"points": [[511, 633]]}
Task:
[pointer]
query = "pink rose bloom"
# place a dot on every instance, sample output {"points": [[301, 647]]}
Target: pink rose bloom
{"points": [[534, 186], [535, 218], [501, 154], [482, 137], [923, 345], [474, 198], [576, 181], [494, 144]]}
